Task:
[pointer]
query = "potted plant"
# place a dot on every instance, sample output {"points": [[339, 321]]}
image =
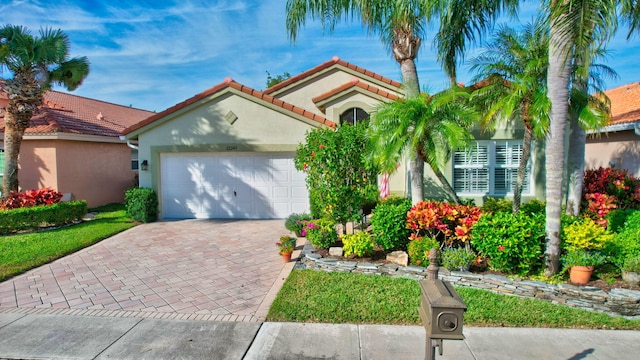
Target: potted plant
{"points": [[296, 223], [286, 246], [457, 258], [581, 264], [631, 270]]}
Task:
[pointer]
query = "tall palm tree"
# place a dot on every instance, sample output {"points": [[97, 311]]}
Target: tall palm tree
{"points": [[34, 64], [430, 126], [513, 72], [400, 25]]}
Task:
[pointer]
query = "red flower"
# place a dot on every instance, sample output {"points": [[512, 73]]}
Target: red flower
{"points": [[500, 247], [321, 146]]}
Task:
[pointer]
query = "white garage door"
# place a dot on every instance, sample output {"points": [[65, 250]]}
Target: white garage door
{"points": [[231, 186]]}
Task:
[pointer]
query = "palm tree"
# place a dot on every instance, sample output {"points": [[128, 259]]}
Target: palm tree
{"points": [[430, 126], [512, 72], [400, 25], [34, 63]]}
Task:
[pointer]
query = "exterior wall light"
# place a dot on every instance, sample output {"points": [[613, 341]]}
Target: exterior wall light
{"points": [[144, 166]]}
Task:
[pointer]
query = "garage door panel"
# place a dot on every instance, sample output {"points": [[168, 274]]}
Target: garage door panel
{"points": [[247, 185]]}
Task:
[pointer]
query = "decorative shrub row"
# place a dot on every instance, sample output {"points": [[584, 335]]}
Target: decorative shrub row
{"points": [[606, 189], [141, 204], [29, 198], [34, 217]]}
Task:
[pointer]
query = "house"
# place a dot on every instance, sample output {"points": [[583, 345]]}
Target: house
{"points": [[73, 145], [618, 143], [228, 151]]}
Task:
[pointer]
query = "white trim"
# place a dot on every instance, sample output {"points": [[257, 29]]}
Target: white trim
{"points": [[74, 137]]}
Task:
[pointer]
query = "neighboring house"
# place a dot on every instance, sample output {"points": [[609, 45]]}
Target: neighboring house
{"points": [[618, 144], [228, 151], [73, 145]]}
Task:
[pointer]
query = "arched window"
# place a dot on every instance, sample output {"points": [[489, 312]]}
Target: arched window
{"points": [[353, 116]]}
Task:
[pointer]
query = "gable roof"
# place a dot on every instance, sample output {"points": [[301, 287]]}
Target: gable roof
{"points": [[72, 114], [230, 85], [354, 84], [335, 61], [625, 103]]}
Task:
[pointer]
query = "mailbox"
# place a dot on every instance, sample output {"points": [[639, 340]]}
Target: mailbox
{"points": [[441, 310]]}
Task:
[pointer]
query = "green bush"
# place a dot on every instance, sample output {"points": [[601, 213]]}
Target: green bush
{"points": [[494, 205], [359, 244], [34, 217], [457, 258], [632, 264], [418, 250], [513, 243], [534, 206], [141, 204], [389, 223], [616, 219], [626, 243], [296, 223], [321, 233]]}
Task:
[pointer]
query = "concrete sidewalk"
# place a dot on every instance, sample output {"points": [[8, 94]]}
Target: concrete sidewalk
{"points": [[47, 336]]}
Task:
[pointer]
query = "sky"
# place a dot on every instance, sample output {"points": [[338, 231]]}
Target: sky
{"points": [[153, 54]]}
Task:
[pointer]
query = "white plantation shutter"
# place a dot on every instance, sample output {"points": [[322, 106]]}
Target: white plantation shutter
{"points": [[470, 169]]}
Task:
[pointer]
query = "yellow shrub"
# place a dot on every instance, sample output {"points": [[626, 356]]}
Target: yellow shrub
{"points": [[586, 235]]}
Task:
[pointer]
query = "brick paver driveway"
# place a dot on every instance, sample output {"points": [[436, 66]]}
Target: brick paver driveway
{"points": [[192, 269]]}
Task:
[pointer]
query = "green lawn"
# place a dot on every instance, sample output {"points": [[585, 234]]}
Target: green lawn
{"points": [[318, 296], [19, 253]]}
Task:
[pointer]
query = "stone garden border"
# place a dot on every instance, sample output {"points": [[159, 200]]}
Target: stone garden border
{"points": [[617, 302]]}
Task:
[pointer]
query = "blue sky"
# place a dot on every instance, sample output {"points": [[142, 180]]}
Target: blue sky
{"points": [[153, 54]]}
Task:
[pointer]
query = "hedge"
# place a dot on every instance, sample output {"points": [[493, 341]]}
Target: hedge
{"points": [[38, 216]]}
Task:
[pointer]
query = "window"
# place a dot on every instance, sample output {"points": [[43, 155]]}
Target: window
{"points": [[353, 115], [134, 159], [489, 168]]}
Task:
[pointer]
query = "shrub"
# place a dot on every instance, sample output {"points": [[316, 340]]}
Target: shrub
{"points": [[141, 204], [617, 218], [34, 217], [418, 250], [389, 223], [582, 257], [29, 198], [534, 206], [626, 243], [359, 244], [494, 205], [321, 233], [586, 235], [618, 183], [339, 179], [512, 243], [457, 258], [448, 223], [632, 264], [296, 223]]}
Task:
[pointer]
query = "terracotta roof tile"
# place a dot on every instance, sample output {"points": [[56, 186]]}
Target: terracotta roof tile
{"points": [[355, 83], [625, 103], [66, 113], [335, 60], [229, 83]]}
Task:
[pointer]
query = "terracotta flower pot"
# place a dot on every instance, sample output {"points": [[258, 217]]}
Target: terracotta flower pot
{"points": [[286, 257], [580, 275]]}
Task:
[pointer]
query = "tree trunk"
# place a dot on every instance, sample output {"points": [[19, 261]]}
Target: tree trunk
{"points": [[12, 140], [445, 183], [522, 169], [575, 169], [410, 78], [558, 85], [416, 171]]}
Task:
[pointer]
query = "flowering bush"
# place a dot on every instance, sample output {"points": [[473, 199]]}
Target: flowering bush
{"points": [[448, 223], [321, 233], [606, 189], [296, 223], [418, 250], [29, 198], [512, 243], [286, 244]]}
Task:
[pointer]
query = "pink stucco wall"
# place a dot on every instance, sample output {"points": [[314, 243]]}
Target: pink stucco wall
{"points": [[621, 149], [96, 172]]}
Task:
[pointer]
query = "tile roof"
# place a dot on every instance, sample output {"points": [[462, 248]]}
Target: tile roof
{"points": [[229, 83], [354, 83], [335, 60], [625, 103], [66, 113]]}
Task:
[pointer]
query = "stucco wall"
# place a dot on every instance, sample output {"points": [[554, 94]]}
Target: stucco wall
{"points": [[99, 173], [622, 149]]}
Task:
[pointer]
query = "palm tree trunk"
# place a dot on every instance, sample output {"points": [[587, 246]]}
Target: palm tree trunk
{"points": [[12, 141], [575, 169], [522, 169], [410, 78], [558, 93], [416, 169], [445, 183]]}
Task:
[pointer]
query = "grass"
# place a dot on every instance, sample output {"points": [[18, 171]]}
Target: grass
{"points": [[317, 296], [21, 252]]}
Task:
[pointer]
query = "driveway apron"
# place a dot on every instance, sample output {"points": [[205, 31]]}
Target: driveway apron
{"points": [[191, 269]]}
